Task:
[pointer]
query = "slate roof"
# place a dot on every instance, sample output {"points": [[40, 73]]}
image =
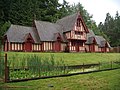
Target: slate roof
{"points": [[90, 37], [100, 41], [17, 33], [47, 30], [68, 22]]}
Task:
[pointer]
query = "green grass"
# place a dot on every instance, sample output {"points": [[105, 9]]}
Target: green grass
{"points": [[107, 80], [74, 58]]}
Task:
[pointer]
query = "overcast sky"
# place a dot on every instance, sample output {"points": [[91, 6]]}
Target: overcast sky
{"points": [[99, 8]]}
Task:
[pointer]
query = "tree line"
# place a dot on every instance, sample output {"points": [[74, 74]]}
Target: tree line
{"points": [[111, 27], [23, 12]]}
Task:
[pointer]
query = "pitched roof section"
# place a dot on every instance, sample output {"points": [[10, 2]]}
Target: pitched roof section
{"points": [[47, 30], [68, 22], [18, 33], [90, 37], [100, 41]]}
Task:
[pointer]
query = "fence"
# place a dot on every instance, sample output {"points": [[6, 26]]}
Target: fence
{"points": [[115, 49], [3, 68], [34, 69]]}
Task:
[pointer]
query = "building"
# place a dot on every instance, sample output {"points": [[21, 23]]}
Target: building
{"points": [[96, 43], [68, 34]]}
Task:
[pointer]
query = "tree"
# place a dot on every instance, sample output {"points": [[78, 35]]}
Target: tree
{"points": [[4, 28], [111, 28]]}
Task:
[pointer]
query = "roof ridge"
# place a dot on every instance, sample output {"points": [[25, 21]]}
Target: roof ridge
{"points": [[66, 17], [20, 25]]}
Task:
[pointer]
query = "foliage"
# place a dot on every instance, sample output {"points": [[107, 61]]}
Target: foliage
{"points": [[23, 12], [2, 66], [34, 65], [70, 58], [111, 27], [108, 80], [4, 28]]}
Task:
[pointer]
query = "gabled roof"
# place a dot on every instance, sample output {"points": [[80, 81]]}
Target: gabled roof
{"points": [[18, 33], [28, 36], [90, 37], [100, 41], [68, 22], [47, 30]]}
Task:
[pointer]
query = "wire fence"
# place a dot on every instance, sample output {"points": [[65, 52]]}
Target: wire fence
{"points": [[39, 71], [33, 67]]}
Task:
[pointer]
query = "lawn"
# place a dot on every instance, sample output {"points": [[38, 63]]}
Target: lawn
{"points": [[106, 80], [73, 58]]}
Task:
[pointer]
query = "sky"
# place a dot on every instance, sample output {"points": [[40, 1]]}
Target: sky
{"points": [[98, 8]]}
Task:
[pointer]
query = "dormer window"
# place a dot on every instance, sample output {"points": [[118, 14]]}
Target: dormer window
{"points": [[78, 22]]}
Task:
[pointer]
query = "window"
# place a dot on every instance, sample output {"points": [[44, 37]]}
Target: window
{"points": [[81, 44], [78, 22], [72, 43], [78, 33]]}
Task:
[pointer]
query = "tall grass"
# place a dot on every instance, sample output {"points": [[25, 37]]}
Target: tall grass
{"points": [[35, 66], [1, 66]]}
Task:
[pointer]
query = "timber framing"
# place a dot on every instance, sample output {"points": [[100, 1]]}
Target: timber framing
{"points": [[69, 34]]}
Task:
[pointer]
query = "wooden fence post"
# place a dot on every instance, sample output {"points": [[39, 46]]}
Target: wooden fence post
{"points": [[99, 65], [39, 70], [111, 64], [6, 70], [83, 67]]}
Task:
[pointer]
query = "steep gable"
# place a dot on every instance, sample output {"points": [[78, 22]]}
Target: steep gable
{"points": [[47, 30], [17, 33], [100, 41], [68, 22]]}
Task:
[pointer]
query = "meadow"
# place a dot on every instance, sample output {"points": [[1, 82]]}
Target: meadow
{"points": [[71, 58], [106, 80]]}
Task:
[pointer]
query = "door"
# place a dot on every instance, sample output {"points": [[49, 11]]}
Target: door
{"points": [[92, 48], [57, 46], [28, 46], [77, 47]]}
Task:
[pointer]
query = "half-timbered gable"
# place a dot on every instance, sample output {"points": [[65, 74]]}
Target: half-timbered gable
{"points": [[96, 43], [75, 31]]}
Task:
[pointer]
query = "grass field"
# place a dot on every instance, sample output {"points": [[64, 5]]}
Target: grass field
{"points": [[106, 80], [73, 58]]}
